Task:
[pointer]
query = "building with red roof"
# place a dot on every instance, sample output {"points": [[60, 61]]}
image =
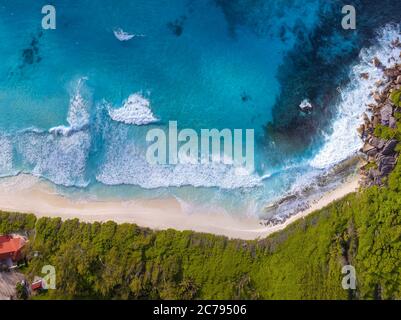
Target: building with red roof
{"points": [[11, 247], [37, 285]]}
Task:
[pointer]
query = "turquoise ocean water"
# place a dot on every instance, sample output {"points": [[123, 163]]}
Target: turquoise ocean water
{"points": [[205, 64]]}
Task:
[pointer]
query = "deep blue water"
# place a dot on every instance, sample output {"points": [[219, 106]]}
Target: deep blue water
{"points": [[205, 64]]}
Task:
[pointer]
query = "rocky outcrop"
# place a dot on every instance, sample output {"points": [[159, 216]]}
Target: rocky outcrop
{"points": [[380, 154]]}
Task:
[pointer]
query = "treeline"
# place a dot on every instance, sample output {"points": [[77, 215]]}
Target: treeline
{"points": [[304, 261]]}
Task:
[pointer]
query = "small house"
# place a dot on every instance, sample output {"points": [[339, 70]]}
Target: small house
{"points": [[11, 248]]}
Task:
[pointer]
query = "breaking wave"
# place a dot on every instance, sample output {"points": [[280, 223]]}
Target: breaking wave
{"points": [[344, 141], [125, 163], [135, 110], [6, 155], [60, 154]]}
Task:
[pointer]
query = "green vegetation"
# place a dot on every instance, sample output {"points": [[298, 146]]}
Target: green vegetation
{"points": [[387, 133], [396, 97], [21, 291], [304, 261], [10, 222]]}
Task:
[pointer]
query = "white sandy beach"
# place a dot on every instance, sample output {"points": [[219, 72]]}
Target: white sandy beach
{"points": [[28, 194]]}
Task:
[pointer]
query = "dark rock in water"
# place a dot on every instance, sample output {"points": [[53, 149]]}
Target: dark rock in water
{"points": [[34, 44], [389, 147], [177, 26], [28, 56], [283, 34], [396, 43], [306, 106], [365, 117], [364, 75], [315, 76], [245, 97], [270, 209], [391, 73], [377, 97], [377, 63]]}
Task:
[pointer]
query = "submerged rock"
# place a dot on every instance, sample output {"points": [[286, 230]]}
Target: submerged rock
{"points": [[377, 97], [306, 106], [377, 63], [396, 43], [245, 97], [177, 26], [391, 73], [30, 55]]}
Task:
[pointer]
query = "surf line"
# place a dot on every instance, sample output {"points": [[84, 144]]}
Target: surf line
{"points": [[216, 146]]}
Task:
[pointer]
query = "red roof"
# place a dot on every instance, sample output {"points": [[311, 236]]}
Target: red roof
{"points": [[36, 285], [10, 246]]}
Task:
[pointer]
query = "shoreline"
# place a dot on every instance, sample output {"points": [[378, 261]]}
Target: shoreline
{"points": [[28, 194]]}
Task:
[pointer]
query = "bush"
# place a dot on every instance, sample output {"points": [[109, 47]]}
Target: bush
{"points": [[395, 97]]}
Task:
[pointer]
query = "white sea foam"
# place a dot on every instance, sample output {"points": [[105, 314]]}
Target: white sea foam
{"points": [[6, 155], [121, 35], [61, 154], [135, 110], [61, 159], [305, 105], [125, 163], [78, 113], [344, 140], [136, 171]]}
